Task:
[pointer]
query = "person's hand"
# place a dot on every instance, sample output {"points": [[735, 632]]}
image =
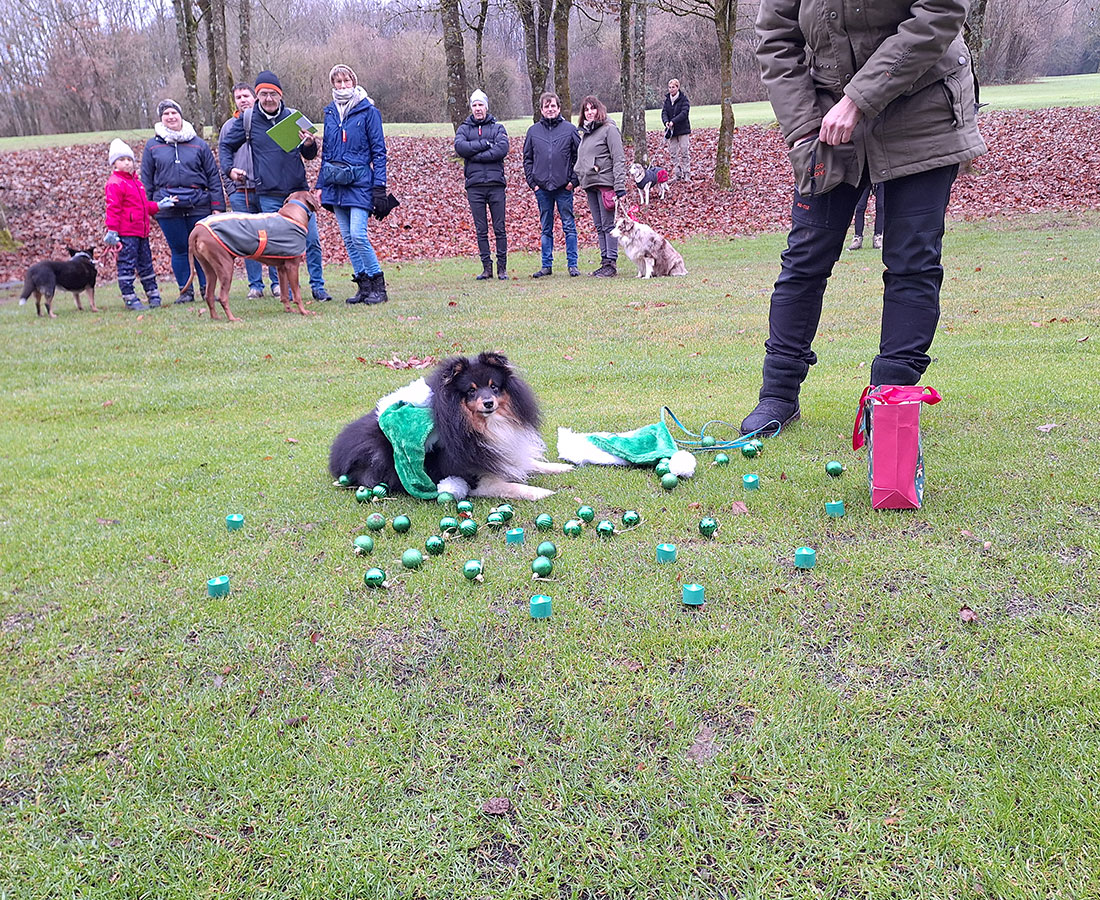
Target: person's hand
{"points": [[167, 202], [111, 238], [378, 195], [238, 174], [840, 122], [306, 137]]}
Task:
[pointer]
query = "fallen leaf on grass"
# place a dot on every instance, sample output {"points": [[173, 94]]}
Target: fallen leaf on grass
{"points": [[1049, 427], [967, 616], [497, 806], [292, 440], [108, 521], [108, 403], [413, 362], [738, 508]]}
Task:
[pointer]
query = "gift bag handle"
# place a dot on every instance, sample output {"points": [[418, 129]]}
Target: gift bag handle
{"points": [[891, 393]]}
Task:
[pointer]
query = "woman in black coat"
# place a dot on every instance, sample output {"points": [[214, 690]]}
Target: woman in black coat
{"points": [[177, 162]]}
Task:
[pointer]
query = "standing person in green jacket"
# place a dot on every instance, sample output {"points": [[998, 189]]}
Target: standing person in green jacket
{"points": [[601, 169], [864, 92]]}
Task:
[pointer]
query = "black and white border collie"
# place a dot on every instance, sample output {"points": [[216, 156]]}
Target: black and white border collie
{"points": [[484, 443]]}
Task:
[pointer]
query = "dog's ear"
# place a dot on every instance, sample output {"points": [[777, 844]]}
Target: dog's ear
{"points": [[72, 252], [91, 252], [450, 369], [493, 358]]}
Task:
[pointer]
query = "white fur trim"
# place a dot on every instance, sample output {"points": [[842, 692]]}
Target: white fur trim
{"points": [[416, 394], [682, 464], [576, 448], [455, 486]]}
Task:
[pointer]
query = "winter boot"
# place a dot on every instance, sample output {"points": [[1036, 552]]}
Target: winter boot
{"points": [[607, 270], [362, 281], [502, 267], [857, 243], [151, 291], [893, 371], [133, 302], [600, 271], [574, 271], [377, 291], [486, 272], [778, 405], [187, 296], [876, 242], [543, 272]]}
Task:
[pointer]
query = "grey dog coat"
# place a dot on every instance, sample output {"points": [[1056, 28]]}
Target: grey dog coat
{"points": [[256, 235]]}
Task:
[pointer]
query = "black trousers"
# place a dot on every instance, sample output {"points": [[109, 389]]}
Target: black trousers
{"points": [[913, 212], [489, 198]]}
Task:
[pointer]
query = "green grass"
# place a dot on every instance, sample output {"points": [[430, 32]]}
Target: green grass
{"points": [[309, 737], [1065, 90]]}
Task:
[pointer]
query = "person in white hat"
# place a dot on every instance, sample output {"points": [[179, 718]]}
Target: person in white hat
{"points": [[482, 142]]}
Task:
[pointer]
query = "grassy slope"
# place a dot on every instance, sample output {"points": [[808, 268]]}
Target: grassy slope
{"points": [[1070, 90], [861, 741]]}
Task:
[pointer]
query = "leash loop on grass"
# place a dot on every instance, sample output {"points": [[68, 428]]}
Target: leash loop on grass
{"points": [[703, 442]]}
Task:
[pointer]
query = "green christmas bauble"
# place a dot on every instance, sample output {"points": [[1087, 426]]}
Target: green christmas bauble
{"points": [[749, 451], [471, 569], [707, 441], [573, 528], [464, 507], [374, 577], [542, 566], [586, 513], [631, 518], [707, 526], [834, 468], [376, 521], [544, 522], [435, 545], [343, 481], [467, 528], [661, 469], [448, 523], [380, 490], [506, 511], [494, 520], [363, 494], [721, 459], [606, 528], [364, 544], [758, 444], [444, 497], [669, 481], [412, 559], [401, 524], [547, 549]]}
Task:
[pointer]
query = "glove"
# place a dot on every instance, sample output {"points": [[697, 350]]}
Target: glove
{"points": [[111, 238], [378, 195], [620, 193], [166, 202]]}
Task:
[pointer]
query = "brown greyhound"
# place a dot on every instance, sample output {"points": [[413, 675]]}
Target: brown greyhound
{"points": [[272, 239]]}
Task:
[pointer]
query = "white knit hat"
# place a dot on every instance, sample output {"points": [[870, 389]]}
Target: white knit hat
{"points": [[119, 148], [479, 97]]}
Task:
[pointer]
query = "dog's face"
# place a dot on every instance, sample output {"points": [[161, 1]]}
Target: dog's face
{"points": [[637, 171], [481, 384], [624, 228]]}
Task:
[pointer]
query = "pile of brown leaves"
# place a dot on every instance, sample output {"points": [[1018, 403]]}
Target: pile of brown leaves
{"points": [[1036, 162]]}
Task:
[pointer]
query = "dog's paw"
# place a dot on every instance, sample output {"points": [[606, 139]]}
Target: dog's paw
{"points": [[530, 492], [22, 301]]}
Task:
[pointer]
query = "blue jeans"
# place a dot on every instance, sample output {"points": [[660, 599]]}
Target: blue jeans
{"points": [[270, 203], [245, 202], [913, 211], [563, 200], [353, 222], [177, 229]]}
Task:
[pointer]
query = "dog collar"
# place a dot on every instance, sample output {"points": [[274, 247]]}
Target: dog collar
{"points": [[301, 204], [86, 256]]}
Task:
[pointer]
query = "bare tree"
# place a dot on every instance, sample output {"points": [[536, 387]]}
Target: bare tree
{"points": [[562, 9], [187, 38], [455, 53], [244, 39], [477, 26], [632, 77], [217, 59], [534, 16]]}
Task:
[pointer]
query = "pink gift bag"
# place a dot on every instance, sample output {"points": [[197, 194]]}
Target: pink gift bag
{"points": [[889, 422]]}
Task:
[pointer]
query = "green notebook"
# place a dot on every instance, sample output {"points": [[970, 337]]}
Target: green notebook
{"points": [[285, 133]]}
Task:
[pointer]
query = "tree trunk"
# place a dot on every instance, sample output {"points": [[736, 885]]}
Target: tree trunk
{"points": [[536, 27], [187, 36], [725, 26], [641, 13], [455, 54], [562, 10], [479, 42], [217, 59], [245, 37], [626, 69]]}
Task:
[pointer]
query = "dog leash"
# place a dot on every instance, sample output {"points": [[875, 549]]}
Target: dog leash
{"points": [[708, 442]]}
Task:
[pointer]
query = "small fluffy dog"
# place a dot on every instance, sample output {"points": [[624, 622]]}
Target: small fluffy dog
{"points": [[76, 274], [648, 250], [483, 439], [644, 179]]}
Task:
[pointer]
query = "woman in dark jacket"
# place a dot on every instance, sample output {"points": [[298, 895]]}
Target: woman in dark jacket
{"points": [[352, 180], [482, 142], [601, 166], [179, 163], [675, 115]]}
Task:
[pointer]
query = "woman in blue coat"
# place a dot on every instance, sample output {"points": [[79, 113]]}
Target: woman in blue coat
{"points": [[177, 162], [352, 180]]}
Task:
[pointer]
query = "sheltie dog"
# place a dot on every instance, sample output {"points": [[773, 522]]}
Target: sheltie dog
{"points": [[484, 438], [649, 251]]}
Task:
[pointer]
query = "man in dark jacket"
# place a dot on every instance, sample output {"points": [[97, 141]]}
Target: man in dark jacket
{"points": [[674, 114], [277, 173], [482, 142], [884, 96], [549, 157]]}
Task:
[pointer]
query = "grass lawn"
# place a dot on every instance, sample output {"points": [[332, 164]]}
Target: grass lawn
{"points": [[1064, 90], [823, 733]]}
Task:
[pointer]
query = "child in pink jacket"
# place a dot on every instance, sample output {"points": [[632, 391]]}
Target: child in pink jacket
{"points": [[129, 215]]}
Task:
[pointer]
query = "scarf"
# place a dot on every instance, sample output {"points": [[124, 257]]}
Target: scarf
{"points": [[185, 134], [347, 98]]}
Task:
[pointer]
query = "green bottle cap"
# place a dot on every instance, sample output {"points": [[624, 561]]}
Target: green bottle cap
{"points": [[666, 553], [234, 522], [541, 607], [805, 558], [834, 508], [751, 482], [513, 536], [693, 595], [218, 586]]}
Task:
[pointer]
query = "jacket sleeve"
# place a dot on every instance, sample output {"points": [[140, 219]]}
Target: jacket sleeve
{"points": [[618, 157], [229, 142], [213, 179], [899, 62], [529, 161], [574, 146], [666, 110], [466, 145], [148, 167], [112, 212], [781, 55], [682, 115], [498, 146], [377, 140]]}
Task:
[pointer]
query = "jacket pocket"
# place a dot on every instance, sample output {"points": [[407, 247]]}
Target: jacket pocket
{"points": [[957, 57]]}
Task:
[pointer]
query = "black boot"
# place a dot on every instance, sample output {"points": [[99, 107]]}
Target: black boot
{"points": [[486, 272], [377, 291], [362, 280], [893, 371], [502, 267], [778, 405]]}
